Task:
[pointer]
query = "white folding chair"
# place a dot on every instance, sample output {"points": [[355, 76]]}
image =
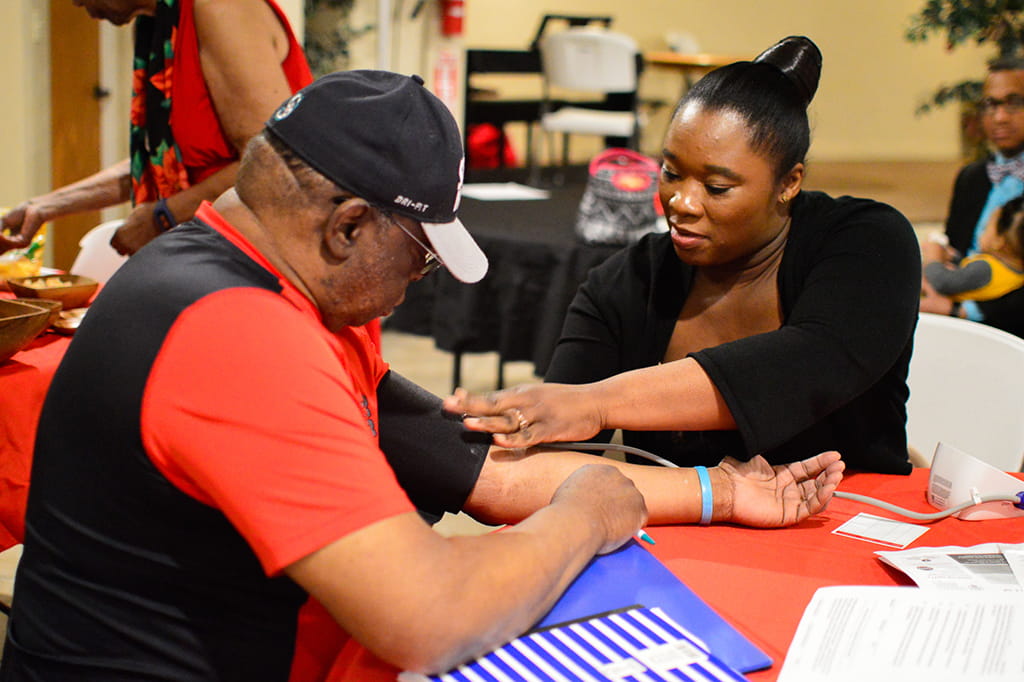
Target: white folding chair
{"points": [[967, 390], [96, 257], [595, 61]]}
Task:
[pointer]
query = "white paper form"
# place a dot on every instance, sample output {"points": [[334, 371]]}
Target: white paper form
{"points": [[881, 531], [980, 567], [899, 634], [1015, 558]]}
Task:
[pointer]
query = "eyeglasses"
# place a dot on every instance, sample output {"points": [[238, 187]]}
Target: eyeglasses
{"points": [[431, 261], [1014, 104]]}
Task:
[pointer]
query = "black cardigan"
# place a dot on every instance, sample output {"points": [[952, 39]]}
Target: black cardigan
{"points": [[832, 377], [970, 193]]}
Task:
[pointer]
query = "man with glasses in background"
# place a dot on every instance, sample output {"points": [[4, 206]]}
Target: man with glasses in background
{"points": [[981, 189]]}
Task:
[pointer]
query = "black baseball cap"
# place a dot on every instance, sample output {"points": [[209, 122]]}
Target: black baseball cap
{"points": [[387, 139]]}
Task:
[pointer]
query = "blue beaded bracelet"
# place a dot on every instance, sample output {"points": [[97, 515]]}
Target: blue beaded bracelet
{"points": [[707, 502]]}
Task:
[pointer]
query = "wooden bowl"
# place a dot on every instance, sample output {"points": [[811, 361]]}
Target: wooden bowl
{"points": [[49, 304], [68, 320], [20, 323], [73, 291]]}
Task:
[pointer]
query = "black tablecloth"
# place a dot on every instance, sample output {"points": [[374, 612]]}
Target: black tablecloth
{"points": [[536, 265]]}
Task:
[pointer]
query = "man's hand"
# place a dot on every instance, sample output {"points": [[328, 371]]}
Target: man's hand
{"points": [[608, 499], [766, 496], [932, 251], [138, 229], [932, 301]]}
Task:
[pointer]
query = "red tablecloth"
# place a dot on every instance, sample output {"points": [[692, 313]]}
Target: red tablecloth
{"points": [[758, 580], [24, 379], [761, 580]]}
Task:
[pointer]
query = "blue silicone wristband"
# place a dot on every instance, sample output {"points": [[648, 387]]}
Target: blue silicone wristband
{"points": [[707, 502], [162, 216]]}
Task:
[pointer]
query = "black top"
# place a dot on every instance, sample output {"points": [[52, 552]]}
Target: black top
{"points": [[970, 193], [832, 377]]}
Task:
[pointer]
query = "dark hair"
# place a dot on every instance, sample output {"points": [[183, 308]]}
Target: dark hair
{"points": [[1006, 64], [304, 174], [261, 149], [771, 93]]}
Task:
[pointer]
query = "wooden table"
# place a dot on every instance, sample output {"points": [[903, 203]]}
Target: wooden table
{"points": [[693, 66]]}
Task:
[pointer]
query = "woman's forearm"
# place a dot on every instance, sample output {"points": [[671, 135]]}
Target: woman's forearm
{"points": [[184, 204], [674, 396], [107, 187]]}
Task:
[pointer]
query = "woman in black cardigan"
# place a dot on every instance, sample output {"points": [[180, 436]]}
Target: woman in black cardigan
{"points": [[768, 320]]}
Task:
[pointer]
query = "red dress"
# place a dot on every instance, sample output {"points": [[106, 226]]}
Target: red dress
{"points": [[205, 148]]}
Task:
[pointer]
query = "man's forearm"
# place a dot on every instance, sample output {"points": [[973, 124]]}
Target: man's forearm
{"points": [[515, 483]]}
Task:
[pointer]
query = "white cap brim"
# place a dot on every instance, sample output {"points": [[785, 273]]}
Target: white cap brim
{"points": [[457, 249]]}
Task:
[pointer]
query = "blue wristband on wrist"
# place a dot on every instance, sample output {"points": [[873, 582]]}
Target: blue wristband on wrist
{"points": [[707, 502]]}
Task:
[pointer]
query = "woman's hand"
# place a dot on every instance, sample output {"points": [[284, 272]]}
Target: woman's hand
{"points": [[19, 225], [530, 414], [766, 496], [137, 230]]}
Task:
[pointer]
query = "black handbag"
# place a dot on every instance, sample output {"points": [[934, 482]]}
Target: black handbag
{"points": [[620, 202]]}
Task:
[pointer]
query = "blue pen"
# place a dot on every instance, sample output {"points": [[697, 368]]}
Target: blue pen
{"points": [[642, 534]]}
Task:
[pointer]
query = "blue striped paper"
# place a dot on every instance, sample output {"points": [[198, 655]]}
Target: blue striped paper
{"points": [[633, 645]]}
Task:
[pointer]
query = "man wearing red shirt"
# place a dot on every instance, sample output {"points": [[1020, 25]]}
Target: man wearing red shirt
{"points": [[210, 452]]}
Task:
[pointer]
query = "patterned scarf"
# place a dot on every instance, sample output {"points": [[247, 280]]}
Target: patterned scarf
{"points": [[997, 170], [157, 170]]}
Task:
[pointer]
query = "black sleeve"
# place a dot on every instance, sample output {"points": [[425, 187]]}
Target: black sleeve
{"points": [[587, 351], [970, 193], [853, 310], [589, 347], [609, 327], [436, 460], [953, 281]]}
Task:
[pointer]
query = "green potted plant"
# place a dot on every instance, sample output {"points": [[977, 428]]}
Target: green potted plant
{"points": [[999, 23], [329, 32]]}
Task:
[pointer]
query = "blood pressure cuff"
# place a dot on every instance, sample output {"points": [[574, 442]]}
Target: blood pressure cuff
{"points": [[437, 460]]}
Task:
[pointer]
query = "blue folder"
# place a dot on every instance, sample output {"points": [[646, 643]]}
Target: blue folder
{"points": [[632, 575], [635, 644]]}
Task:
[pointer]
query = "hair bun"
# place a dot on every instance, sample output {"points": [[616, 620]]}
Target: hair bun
{"points": [[800, 60]]}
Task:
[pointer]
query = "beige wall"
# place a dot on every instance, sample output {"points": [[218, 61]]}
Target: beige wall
{"points": [[871, 83], [25, 114], [872, 79]]}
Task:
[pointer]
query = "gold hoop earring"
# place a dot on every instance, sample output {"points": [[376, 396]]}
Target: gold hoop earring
{"points": [[783, 200]]}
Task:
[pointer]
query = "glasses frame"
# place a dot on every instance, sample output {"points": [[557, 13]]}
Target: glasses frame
{"points": [[1013, 104], [431, 261]]}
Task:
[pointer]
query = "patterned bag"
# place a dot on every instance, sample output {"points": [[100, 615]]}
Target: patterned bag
{"points": [[620, 202]]}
